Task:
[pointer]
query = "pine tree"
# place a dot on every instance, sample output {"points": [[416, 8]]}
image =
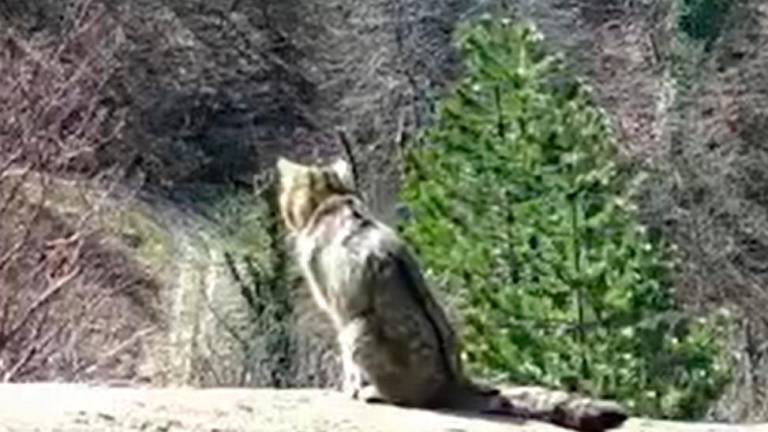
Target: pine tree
{"points": [[522, 214]]}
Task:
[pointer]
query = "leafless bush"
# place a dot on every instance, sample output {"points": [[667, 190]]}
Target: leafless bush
{"points": [[61, 315], [708, 194], [52, 114]]}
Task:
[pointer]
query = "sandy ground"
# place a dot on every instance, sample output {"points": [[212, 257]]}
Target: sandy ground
{"points": [[74, 408]]}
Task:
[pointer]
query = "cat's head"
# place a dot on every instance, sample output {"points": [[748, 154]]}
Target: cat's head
{"points": [[304, 187]]}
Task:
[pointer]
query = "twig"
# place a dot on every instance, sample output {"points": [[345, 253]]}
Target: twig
{"points": [[10, 161], [15, 188], [115, 351], [347, 146], [263, 182], [26, 358], [41, 301], [402, 135], [500, 124]]}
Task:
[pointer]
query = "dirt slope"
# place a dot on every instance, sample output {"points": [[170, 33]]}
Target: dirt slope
{"points": [[69, 407]]}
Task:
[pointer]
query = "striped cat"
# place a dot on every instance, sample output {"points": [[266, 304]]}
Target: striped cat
{"points": [[397, 345]]}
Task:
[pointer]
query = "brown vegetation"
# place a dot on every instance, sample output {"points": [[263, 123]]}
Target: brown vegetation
{"points": [[68, 306]]}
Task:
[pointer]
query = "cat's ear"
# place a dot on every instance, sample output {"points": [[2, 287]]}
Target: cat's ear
{"points": [[343, 170], [287, 168]]}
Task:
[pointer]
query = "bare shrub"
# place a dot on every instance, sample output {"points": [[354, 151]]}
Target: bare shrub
{"points": [[708, 197], [66, 311], [52, 114]]}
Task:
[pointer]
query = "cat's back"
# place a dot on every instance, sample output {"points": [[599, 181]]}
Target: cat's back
{"points": [[346, 230]]}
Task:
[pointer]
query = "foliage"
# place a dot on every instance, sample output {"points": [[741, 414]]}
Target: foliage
{"points": [[286, 341], [257, 261], [703, 20], [521, 212]]}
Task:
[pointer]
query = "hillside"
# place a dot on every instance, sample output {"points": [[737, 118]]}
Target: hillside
{"points": [[134, 250]]}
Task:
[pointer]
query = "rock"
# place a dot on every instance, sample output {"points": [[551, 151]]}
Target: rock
{"points": [[49, 407]]}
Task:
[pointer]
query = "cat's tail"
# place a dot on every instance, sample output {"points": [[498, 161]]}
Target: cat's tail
{"points": [[537, 403]]}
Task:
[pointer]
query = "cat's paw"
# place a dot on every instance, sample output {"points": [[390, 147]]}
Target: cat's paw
{"points": [[370, 394]]}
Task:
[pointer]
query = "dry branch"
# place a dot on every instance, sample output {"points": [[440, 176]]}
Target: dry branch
{"points": [[53, 119]]}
